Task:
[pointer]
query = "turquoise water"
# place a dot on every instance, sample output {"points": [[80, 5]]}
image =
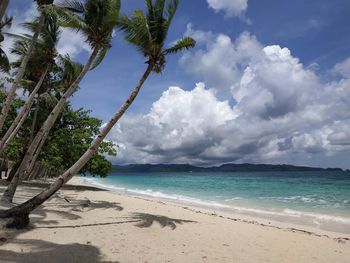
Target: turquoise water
{"points": [[318, 199]]}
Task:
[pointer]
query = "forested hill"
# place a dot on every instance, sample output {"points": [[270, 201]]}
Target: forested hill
{"points": [[246, 167]]}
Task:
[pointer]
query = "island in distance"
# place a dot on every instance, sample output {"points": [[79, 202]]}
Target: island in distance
{"points": [[229, 167]]}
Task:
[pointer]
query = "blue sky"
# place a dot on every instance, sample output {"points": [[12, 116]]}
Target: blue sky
{"points": [[277, 67]]}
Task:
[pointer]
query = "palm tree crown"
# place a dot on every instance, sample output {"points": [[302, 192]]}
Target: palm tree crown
{"points": [[44, 53], [148, 32], [95, 19]]}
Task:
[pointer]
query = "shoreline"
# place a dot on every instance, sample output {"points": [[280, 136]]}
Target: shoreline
{"points": [[224, 213], [85, 223]]}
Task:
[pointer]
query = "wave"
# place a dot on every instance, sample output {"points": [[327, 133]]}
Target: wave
{"points": [[286, 214], [296, 198], [157, 194]]}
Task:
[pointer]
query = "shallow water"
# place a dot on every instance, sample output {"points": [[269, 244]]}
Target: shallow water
{"points": [[317, 199]]}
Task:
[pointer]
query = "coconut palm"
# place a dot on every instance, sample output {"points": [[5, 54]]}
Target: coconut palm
{"points": [[70, 70], [20, 73], [4, 62], [96, 21], [148, 34], [38, 66], [3, 6]]}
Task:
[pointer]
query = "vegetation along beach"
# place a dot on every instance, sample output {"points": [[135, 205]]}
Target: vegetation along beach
{"points": [[174, 131]]}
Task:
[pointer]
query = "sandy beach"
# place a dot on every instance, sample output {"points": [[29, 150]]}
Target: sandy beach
{"points": [[86, 224]]}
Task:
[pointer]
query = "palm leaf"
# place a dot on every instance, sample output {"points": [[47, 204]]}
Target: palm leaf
{"points": [[4, 62], [100, 56], [182, 44], [73, 5]]}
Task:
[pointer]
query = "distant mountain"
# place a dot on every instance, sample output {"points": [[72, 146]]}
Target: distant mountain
{"points": [[230, 167]]}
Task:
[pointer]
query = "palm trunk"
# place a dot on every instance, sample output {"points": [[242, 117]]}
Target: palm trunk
{"points": [[20, 213], [17, 123], [35, 117], [50, 121], [20, 73], [3, 6], [37, 152]]}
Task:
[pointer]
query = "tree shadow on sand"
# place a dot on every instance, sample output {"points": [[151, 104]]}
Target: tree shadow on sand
{"points": [[43, 251], [147, 220]]}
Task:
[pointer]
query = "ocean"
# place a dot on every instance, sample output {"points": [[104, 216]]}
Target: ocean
{"points": [[315, 199]]}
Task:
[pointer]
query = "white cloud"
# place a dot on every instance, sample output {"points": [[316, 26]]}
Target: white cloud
{"points": [[72, 43], [220, 62], [230, 7], [342, 68], [283, 112]]}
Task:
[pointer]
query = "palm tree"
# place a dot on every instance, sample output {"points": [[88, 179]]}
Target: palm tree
{"points": [[4, 62], [3, 6], [38, 67], [70, 70], [97, 20], [148, 34], [11, 94]]}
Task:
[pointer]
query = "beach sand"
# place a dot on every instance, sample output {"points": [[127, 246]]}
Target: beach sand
{"points": [[85, 224]]}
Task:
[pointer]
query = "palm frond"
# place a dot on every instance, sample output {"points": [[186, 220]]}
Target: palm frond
{"points": [[100, 56], [171, 10], [6, 22], [182, 44], [66, 18], [136, 30], [112, 17], [73, 5], [4, 62]]}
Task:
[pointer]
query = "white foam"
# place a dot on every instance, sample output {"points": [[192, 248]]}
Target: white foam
{"points": [[286, 213]]}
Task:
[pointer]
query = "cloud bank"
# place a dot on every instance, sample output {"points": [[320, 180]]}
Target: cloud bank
{"points": [[230, 7], [279, 111]]}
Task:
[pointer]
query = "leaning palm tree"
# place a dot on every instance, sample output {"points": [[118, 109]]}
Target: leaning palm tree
{"points": [[4, 61], [70, 70], [20, 73], [38, 66], [148, 34], [96, 21], [3, 7]]}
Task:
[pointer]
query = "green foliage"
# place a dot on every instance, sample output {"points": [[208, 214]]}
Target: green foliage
{"points": [[15, 149], [148, 32], [98, 165], [70, 138], [95, 19]]}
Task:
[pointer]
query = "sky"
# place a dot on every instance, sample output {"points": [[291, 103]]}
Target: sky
{"points": [[268, 82]]}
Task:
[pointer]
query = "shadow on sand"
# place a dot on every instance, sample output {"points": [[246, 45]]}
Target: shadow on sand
{"points": [[43, 251], [147, 220]]}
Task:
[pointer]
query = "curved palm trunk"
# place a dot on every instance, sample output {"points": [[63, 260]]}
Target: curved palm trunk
{"points": [[20, 214], [35, 117], [19, 75], [46, 127], [36, 155], [17, 123], [3, 6]]}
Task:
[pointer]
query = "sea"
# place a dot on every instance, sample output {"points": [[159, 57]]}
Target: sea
{"points": [[316, 199]]}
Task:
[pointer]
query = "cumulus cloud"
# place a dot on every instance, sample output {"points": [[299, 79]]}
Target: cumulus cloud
{"points": [[230, 7], [342, 68], [282, 111], [72, 43], [220, 60]]}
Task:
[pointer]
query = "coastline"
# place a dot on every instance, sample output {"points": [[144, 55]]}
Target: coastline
{"points": [[103, 226], [218, 209]]}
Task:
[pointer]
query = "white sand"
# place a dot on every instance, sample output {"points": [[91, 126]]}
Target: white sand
{"points": [[102, 226]]}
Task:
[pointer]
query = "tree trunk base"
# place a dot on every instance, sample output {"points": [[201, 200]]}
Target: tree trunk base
{"points": [[19, 221]]}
